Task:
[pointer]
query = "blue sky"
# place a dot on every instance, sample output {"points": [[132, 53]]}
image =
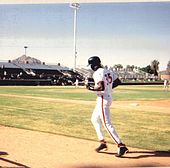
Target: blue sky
{"points": [[120, 33]]}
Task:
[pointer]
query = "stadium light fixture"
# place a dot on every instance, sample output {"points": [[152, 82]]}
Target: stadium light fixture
{"points": [[75, 7]]}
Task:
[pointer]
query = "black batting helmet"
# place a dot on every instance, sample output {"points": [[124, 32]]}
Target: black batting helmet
{"points": [[94, 60]]}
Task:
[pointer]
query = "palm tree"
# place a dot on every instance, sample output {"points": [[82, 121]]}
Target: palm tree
{"points": [[155, 67], [115, 67], [119, 66], [128, 68]]}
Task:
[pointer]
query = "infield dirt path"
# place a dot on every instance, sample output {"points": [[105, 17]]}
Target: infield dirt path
{"points": [[24, 148]]}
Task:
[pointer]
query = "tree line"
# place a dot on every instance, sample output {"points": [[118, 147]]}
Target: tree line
{"points": [[153, 68]]}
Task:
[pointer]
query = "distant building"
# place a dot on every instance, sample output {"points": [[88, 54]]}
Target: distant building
{"points": [[165, 75]]}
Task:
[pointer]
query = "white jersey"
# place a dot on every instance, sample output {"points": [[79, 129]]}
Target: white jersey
{"points": [[108, 77]]}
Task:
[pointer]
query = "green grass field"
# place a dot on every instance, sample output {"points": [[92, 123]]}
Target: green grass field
{"points": [[50, 109]]}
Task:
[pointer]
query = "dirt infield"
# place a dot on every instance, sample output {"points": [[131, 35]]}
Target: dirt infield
{"points": [[24, 148]]}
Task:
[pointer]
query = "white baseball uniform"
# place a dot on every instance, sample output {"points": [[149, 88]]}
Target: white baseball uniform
{"points": [[101, 112]]}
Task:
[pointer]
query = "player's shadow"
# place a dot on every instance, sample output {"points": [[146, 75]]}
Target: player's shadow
{"points": [[10, 161], [145, 154], [142, 154], [3, 153]]}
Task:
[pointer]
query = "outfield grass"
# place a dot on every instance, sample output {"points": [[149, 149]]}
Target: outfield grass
{"points": [[137, 128]]}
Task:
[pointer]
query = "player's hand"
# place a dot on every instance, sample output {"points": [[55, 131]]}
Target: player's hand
{"points": [[90, 87]]}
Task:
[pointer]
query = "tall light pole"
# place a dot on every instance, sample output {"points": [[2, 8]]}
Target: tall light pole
{"points": [[75, 6], [25, 47]]}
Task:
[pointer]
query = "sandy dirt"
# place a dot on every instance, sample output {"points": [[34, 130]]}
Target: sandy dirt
{"points": [[25, 148]]}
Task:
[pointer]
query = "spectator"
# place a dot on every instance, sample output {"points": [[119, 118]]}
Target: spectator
{"points": [[77, 83], [166, 85]]}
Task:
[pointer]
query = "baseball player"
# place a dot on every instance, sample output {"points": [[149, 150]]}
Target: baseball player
{"points": [[166, 85], [104, 80]]}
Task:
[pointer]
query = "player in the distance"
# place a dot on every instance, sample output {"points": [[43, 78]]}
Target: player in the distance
{"points": [[105, 80]]}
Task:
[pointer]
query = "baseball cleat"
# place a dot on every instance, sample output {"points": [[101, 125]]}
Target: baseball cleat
{"points": [[102, 147], [121, 151]]}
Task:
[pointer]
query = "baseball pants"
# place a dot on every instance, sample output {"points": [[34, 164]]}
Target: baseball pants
{"points": [[101, 115]]}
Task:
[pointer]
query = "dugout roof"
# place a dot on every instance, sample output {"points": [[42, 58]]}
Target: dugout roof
{"points": [[31, 66]]}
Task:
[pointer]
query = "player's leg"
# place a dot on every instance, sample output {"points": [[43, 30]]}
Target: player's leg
{"points": [[95, 119], [108, 125], [105, 117]]}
